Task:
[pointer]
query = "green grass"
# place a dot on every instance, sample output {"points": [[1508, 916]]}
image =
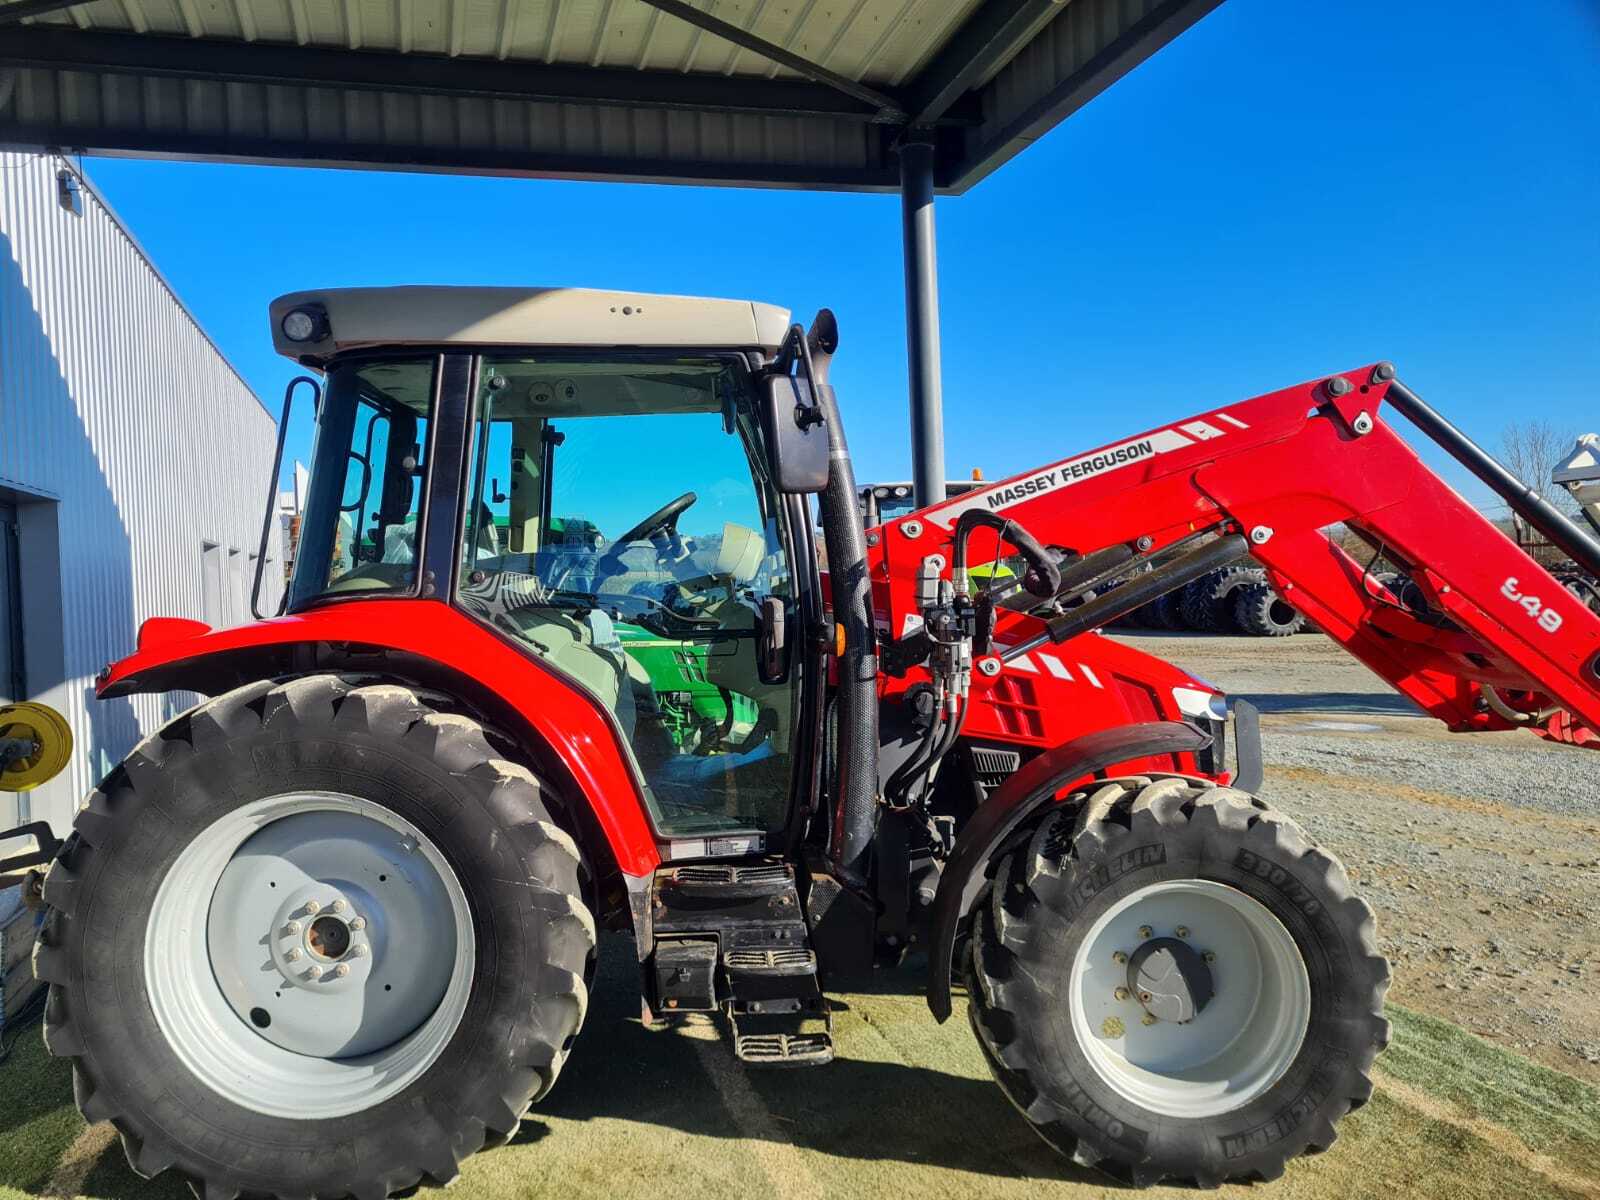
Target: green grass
{"points": [[1546, 1110], [37, 1119], [907, 1110]]}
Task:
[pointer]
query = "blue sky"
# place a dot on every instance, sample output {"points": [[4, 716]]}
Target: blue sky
{"points": [[1290, 188]]}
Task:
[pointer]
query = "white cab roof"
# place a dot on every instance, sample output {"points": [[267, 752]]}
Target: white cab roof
{"points": [[502, 316]]}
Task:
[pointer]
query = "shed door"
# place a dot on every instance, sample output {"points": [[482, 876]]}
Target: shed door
{"points": [[11, 681]]}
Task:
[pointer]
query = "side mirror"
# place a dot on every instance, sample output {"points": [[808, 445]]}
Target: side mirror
{"points": [[797, 436]]}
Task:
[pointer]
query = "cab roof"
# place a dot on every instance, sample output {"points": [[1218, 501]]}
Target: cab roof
{"points": [[351, 318]]}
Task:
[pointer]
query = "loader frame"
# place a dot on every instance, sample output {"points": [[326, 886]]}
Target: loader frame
{"points": [[1494, 630]]}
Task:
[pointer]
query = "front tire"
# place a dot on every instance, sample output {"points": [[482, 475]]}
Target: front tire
{"points": [[1261, 1073], [417, 977]]}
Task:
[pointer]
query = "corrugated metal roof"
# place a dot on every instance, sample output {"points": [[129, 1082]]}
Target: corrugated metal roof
{"points": [[622, 89], [875, 41]]}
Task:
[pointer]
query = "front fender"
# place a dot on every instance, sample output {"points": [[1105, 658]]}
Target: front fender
{"points": [[425, 641], [1013, 802]]}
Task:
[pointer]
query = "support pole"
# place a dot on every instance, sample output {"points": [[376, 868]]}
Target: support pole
{"points": [[922, 320]]}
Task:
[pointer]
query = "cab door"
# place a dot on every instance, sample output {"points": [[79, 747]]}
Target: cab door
{"points": [[621, 527]]}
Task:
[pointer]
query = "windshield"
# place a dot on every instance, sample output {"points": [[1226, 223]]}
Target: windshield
{"points": [[359, 532], [621, 526]]}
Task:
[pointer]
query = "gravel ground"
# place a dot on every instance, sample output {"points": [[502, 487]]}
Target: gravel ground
{"points": [[1480, 853]]}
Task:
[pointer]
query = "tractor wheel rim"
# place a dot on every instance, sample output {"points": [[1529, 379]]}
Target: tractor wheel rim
{"points": [[309, 955], [1238, 1046]]}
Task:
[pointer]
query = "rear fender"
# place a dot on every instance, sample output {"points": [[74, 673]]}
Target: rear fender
{"points": [[1035, 787], [564, 731]]}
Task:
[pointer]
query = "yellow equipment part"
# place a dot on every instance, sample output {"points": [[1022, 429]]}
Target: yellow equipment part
{"points": [[50, 733]]}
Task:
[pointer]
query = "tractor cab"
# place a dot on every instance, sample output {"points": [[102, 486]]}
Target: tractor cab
{"points": [[574, 472]]}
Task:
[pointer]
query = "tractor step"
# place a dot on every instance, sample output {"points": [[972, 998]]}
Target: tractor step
{"points": [[770, 960], [731, 937], [784, 1049]]}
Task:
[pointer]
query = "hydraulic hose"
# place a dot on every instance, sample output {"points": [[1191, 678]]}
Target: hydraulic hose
{"points": [[1044, 577], [921, 759]]}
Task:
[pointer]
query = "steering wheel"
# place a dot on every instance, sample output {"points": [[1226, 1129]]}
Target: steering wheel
{"points": [[663, 521]]}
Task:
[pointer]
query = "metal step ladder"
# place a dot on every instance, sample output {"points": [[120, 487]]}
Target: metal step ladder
{"points": [[731, 938]]}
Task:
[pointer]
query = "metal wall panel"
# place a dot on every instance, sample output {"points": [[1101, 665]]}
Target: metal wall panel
{"points": [[124, 428]]}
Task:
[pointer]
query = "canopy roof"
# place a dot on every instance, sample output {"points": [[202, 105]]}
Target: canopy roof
{"points": [[508, 316], [805, 93]]}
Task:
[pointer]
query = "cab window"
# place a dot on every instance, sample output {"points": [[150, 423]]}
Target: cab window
{"points": [[359, 532]]}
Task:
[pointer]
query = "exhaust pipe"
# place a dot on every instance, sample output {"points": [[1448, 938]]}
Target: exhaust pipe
{"points": [[855, 811]]}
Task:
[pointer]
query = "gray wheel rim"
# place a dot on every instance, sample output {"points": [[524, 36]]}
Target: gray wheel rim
{"points": [[1234, 1050], [309, 955]]}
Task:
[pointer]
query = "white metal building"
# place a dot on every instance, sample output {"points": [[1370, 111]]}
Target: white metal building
{"points": [[133, 468]]}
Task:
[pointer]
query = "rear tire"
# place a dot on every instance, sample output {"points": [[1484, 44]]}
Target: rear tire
{"points": [[1267, 1072], [1206, 605], [1261, 612], [1162, 613], [443, 849]]}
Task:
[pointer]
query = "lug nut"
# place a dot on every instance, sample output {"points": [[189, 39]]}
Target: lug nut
{"points": [[358, 922], [1181, 931], [1119, 957], [1210, 956], [1147, 1019], [315, 972], [313, 908], [1145, 931], [1121, 993], [342, 970], [338, 906], [292, 928], [358, 951], [292, 954]]}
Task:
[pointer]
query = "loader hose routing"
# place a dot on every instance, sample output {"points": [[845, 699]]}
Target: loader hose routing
{"points": [[1044, 573]]}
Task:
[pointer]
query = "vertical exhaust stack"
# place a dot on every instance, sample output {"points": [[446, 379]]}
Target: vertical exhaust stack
{"points": [[855, 813]]}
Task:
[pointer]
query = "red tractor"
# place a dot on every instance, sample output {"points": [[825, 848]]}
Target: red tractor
{"points": [[333, 929]]}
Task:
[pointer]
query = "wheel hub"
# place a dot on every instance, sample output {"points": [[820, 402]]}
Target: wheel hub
{"points": [[318, 939], [356, 929], [1171, 979]]}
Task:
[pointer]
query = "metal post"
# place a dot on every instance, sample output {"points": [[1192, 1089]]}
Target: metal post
{"points": [[922, 321]]}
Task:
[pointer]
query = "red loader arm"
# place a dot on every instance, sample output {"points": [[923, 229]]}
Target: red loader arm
{"points": [[1486, 638]]}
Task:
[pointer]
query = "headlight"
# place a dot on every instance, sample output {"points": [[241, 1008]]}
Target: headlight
{"points": [[1192, 702], [305, 325]]}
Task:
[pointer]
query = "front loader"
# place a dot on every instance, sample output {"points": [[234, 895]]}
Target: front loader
{"points": [[334, 929]]}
